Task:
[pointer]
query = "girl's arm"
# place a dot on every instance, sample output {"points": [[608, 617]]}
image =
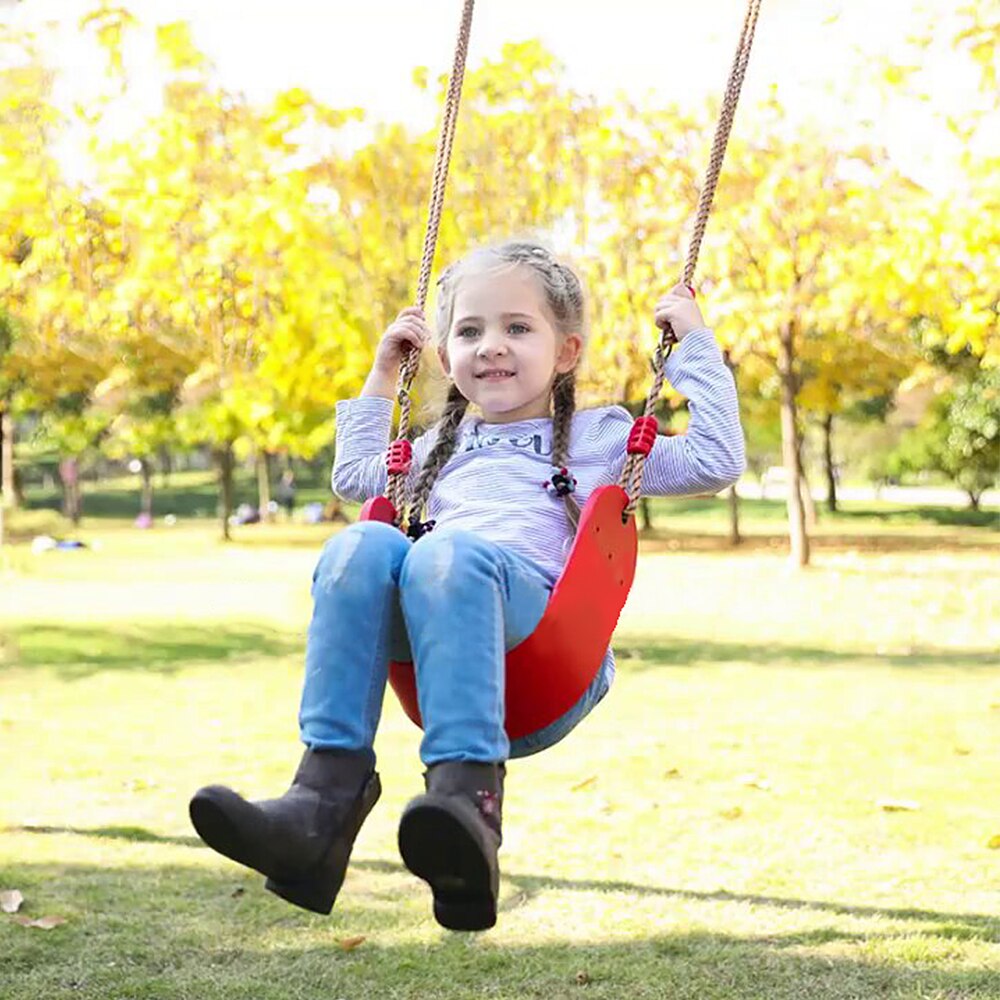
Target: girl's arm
{"points": [[359, 463], [364, 424], [712, 454]]}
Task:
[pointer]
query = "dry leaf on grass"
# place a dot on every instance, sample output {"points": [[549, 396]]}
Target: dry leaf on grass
{"points": [[994, 843], [349, 944], [586, 783], [755, 781], [897, 805], [42, 923], [11, 900], [735, 813], [674, 772]]}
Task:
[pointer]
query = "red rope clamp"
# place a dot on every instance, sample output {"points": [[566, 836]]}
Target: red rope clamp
{"points": [[642, 436], [400, 456]]}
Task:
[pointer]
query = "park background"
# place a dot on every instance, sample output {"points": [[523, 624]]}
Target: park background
{"points": [[208, 215]]}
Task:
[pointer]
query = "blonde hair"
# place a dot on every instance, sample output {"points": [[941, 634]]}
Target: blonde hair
{"points": [[563, 293]]}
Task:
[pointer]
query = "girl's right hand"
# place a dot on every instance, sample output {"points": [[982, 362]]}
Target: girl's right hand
{"points": [[408, 329]]}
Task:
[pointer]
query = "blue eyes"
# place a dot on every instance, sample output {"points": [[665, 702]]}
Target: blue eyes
{"points": [[467, 332]]}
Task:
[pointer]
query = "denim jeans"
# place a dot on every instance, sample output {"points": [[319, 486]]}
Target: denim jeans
{"points": [[452, 602]]}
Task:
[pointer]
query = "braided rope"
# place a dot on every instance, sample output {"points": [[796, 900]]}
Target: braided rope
{"points": [[396, 486], [631, 478]]}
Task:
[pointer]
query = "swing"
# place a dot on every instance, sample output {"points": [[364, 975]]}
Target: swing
{"points": [[550, 670]]}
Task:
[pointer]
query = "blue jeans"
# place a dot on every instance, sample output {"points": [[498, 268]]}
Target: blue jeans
{"points": [[453, 603]]}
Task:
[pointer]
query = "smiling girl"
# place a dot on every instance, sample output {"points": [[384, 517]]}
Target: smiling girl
{"points": [[510, 334]]}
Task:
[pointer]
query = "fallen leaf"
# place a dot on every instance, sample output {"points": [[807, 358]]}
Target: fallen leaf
{"points": [[349, 944], [962, 751], [42, 923], [586, 783], [994, 843], [674, 772], [753, 781], [898, 805], [11, 900], [735, 813], [238, 891]]}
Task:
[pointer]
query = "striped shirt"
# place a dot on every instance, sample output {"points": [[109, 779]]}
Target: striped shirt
{"points": [[492, 484]]}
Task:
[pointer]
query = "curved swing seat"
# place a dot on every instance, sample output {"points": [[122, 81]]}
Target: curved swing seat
{"points": [[549, 671]]}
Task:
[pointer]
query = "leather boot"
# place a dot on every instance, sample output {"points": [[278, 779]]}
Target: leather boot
{"points": [[301, 841], [450, 837]]}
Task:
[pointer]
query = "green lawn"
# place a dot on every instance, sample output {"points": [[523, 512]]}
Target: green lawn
{"points": [[716, 830]]}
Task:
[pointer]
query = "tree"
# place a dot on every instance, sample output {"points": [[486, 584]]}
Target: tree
{"points": [[959, 435]]}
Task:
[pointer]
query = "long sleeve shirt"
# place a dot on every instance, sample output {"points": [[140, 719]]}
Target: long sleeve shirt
{"points": [[493, 483]]}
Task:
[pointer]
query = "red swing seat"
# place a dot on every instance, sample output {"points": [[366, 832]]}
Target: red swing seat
{"points": [[549, 671]]}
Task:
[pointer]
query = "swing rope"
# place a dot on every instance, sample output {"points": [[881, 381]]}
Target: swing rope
{"points": [[645, 430], [398, 469]]}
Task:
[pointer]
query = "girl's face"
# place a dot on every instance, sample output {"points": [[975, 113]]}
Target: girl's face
{"points": [[503, 350]]}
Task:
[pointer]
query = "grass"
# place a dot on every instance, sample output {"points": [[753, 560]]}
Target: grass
{"points": [[713, 831]]}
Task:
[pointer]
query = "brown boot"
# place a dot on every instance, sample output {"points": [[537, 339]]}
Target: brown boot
{"points": [[301, 841], [450, 837]]}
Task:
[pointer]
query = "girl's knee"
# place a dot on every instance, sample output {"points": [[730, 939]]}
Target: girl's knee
{"points": [[363, 547], [443, 558]]}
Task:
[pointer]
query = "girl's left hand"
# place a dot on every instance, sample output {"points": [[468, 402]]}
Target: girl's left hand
{"points": [[679, 309]]}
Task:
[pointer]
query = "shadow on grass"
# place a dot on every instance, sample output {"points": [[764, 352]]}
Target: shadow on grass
{"points": [[75, 651], [946, 516], [527, 886], [173, 932], [642, 653], [677, 540]]}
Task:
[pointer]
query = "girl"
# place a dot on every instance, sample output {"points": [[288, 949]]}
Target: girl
{"points": [[510, 334]]}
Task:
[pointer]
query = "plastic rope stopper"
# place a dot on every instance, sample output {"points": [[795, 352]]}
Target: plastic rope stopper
{"points": [[400, 456], [642, 436]]}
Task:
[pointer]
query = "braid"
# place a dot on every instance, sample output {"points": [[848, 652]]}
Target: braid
{"points": [[447, 427], [563, 407]]}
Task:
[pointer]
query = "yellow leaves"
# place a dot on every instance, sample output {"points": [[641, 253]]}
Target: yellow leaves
{"points": [[175, 44], [897, 75]]}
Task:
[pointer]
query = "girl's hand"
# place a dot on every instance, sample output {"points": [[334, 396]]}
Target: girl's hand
{"points": [[408, 329], [679, 309]]}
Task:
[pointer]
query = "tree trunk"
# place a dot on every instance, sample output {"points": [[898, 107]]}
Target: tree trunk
{"points": [[146, 505], [8, 487], [808, 504], [69, 476], [166, 467], [831, 478], [974, 499], [798, 536], [645, 515], [735, 538], [264, 485], [224, 457]]}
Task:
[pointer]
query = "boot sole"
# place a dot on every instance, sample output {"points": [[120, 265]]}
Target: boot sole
{"points": [[314, 890], [437, 847]]}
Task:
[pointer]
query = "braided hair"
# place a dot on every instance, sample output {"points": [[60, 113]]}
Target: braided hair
{"points": [[564, 295]]}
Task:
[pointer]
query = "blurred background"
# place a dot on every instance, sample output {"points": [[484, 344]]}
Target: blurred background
{"points": [[209, 213]]}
